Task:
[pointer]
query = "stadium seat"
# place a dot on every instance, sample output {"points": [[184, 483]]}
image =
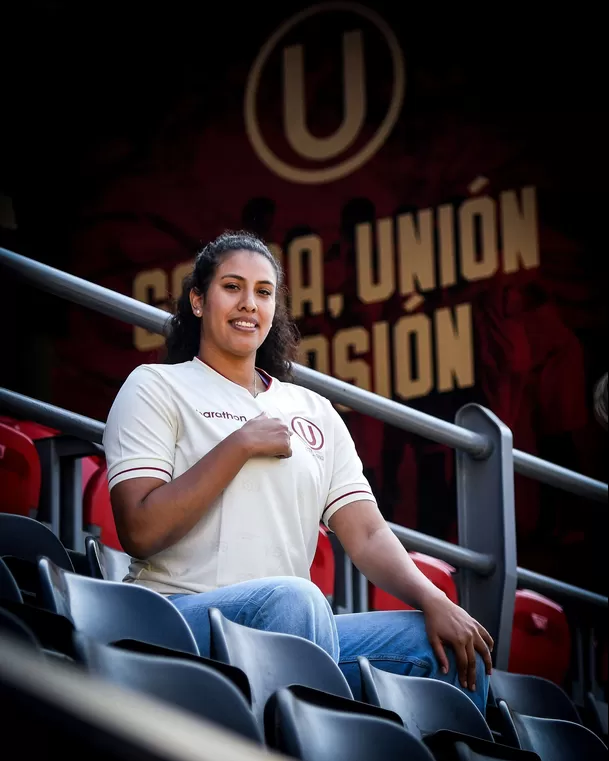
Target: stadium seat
{"points": [[541, 639], [105, 562], [436, 713], [52, 631], [51, 710], [425, 705], [322, 568], [90, 465], [272, 660], [97, 509], [553, 739], [532, 696], [29, 428], [437, 571], [35, 432], [110, 612], [191, 686], [13, 626], [9, 589], [27, 539], [316, 733], [20, 473], [22, 541]]}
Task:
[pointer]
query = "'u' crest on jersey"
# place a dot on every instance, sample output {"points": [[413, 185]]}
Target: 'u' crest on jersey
{"points": [[308, 432]]}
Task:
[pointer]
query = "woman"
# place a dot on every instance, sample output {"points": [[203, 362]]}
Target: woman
{"points": [[220, 471]]}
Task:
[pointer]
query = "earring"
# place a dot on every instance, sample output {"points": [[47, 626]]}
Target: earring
{"points": [[197, 312]]}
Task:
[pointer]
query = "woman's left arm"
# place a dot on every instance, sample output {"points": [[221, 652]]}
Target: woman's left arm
{"points": [[378, 554]]}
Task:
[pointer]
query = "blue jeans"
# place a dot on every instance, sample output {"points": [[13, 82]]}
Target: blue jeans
{"points": [[394, 641]]}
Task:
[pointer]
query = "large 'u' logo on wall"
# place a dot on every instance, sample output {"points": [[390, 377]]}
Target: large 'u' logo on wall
{"points": [[297, 133]]}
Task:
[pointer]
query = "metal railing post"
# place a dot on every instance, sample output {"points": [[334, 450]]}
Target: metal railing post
{"points": [[485, 504]]}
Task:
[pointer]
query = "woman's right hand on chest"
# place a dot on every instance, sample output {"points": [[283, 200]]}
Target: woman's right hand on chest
{"points": [[266, 436]]}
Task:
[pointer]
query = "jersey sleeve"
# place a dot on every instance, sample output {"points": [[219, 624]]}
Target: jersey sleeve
{"points": [[348, 482], [140, 433]]}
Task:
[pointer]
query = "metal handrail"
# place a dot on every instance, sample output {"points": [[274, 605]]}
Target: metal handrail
{"points": [[156, 320], [55, 417], [460, 557], [484, 565]]}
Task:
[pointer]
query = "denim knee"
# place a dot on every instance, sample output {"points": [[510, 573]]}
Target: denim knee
{"points": [[296, 606]]}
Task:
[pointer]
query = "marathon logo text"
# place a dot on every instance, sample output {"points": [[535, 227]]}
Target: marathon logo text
{"points": [[223, 415]]}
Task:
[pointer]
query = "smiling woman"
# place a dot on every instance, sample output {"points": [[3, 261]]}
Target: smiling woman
{"points": [[261, 281], [220, 472]]}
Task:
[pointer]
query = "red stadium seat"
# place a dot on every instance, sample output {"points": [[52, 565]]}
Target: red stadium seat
{"points": [[541, 639], [322, 569], [97, 509], [20, 473], [437, 571], [90, 465], [33, 431]]}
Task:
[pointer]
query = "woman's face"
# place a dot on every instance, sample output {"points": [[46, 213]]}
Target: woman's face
{"points": [[238, 309]]}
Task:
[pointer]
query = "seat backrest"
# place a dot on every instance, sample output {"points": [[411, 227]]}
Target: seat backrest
{"points": [[108, 611], [97, 509], [105, 562], [533, 696], [314, 733], [16, 628], [28, 539], [425, 705], [541, 638], [9, 589], [31, 429], [20, 472], [272, 660], [54, 632], [186, 684], [557, 739], [437, 571], [323, 566]]}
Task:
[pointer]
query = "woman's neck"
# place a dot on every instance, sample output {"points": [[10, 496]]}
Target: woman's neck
{"points": [[239, 370]]}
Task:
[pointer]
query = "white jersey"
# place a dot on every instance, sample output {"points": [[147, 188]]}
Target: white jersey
{"points": [[165, 418]]}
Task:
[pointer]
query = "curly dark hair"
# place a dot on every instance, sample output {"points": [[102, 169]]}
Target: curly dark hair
{"points": [[276, 355]]}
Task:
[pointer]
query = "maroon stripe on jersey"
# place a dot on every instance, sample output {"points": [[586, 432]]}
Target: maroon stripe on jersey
{"points": [[130, 470], [348, 494]]}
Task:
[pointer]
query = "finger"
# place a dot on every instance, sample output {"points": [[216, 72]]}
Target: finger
{"points": [[483, 649], [462, 664], [471, 666], [440, 652], [486, 637]]}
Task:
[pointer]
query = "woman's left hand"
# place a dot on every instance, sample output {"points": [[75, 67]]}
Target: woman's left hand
{"points": [[449, 624]]}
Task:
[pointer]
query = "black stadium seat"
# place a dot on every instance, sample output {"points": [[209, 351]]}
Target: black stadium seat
{"points": [[22, 541], [437, 713], [105, 562], [315, 733], [191, 686], [553, 739], [9, 589], [425, 706], [14, 627], [533, 696], [28, 539], [271, 660], [109, 612]]}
